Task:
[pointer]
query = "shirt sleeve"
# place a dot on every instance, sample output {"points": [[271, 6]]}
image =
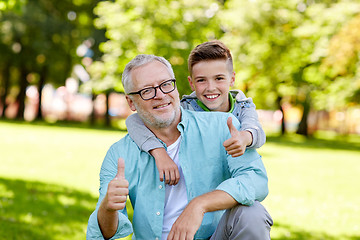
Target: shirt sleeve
{"points": [[107, 173], [141, 135], [249, 120], [248, 180]]}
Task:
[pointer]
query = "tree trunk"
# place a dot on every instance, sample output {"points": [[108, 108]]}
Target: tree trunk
{"points": [[283, 127], [41, 84], [107, 116], [303, 125], [93, 115], [22, 94], [6, 77]]}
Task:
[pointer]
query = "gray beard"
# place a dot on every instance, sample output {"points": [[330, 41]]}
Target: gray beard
{"points": [[152, 121], [155, 122]]}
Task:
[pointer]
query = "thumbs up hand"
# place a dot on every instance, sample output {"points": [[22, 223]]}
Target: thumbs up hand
{"points": [[236, 145], [118, 189]]}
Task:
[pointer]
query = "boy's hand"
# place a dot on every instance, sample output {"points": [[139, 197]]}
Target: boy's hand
{"points": [[236, 145], [166, 166]]}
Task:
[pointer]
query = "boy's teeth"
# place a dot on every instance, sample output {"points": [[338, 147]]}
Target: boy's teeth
{"points": [[211, 96]]}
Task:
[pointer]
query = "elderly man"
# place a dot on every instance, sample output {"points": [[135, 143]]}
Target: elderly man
{"points": [[210, 179]]}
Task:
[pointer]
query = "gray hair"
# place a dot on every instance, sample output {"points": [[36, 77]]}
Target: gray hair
{"points": [[138, 61]]}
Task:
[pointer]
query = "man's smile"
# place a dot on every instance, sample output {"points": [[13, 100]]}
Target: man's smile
{"points": [[162, 106]]}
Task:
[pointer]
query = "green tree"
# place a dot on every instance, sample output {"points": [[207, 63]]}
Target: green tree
{"points": [[165, 28], [279, 45], [43, 38], [12, 5], [342, 68]]}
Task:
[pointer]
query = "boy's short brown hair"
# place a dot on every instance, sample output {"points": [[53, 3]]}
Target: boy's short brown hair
{"points": [[212, 50]]}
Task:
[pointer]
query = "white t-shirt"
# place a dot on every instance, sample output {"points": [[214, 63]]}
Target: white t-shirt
{"points": [[175, 196]]}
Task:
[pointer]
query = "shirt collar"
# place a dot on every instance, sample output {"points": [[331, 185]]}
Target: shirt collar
{"points": [[184, 120]]}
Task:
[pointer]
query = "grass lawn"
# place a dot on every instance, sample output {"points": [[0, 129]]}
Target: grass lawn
{"points": [[314, 188], [49, 182]]}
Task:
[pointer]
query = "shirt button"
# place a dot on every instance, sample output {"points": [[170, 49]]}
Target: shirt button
{"points": [[158, 213], [160, 186]]}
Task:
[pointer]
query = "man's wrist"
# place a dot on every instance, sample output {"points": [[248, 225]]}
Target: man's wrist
{"points": [[108, 220], [199, 204]]}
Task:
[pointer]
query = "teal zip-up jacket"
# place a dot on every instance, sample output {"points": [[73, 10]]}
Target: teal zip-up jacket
{"points": [[206, 167]]}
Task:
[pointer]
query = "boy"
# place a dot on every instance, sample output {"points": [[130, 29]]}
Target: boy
{"points": [[211, 76]]}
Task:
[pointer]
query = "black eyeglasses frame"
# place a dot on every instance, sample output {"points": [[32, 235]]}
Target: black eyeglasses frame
{"points": [[173, 80]]}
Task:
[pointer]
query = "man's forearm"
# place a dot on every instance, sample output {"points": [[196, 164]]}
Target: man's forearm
{"points": [[190, 219], [214, 201], [108, 221]]}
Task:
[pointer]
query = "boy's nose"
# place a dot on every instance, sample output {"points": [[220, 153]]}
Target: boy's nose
{"points": [[211, 85]]}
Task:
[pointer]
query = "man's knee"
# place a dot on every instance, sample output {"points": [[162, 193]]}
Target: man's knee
{"points": [[255, 213], [254, 221]]}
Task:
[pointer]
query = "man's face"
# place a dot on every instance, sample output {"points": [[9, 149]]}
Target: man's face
{"points": [[164, 109], [211, 81]]}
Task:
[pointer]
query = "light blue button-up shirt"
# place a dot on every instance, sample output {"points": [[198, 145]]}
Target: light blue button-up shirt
{"points": [[206, 167]]}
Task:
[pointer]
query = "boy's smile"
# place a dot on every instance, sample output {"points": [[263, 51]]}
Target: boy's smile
{"points": [[212, 96], [211, 80]]}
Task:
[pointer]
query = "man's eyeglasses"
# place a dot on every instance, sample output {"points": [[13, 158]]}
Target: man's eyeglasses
{"points": [[150, 92]]}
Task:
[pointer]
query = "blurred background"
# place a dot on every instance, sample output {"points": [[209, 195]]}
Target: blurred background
{"points": [[62, 102], [298, 60]]}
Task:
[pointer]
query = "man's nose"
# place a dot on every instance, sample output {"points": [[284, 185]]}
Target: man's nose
{"points": [[159, 94]]}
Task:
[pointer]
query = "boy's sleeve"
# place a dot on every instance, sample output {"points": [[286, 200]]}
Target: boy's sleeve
{"points": [[249, 120], [141, 135]]}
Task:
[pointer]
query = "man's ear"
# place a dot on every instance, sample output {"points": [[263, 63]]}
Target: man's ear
{"points": [[130, 103], [191, 83], [232, 80]]}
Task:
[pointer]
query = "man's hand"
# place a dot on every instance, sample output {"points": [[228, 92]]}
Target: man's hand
{"points": [[117, 191], [236, 145], [166, 166], [115, 199], [187, 223]]}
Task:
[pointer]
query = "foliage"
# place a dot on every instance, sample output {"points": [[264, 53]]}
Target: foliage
{"points": [[40, 41], [165, 28], [279, 45], [12, 5], [292, 51], [342, 66]]}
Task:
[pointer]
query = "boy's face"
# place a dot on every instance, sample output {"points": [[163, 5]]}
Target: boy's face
{"points": [[211, 80]]}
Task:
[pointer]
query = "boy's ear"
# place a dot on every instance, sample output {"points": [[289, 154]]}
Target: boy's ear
{"points": [[130, 103], [191, 83], [232, 80]]}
